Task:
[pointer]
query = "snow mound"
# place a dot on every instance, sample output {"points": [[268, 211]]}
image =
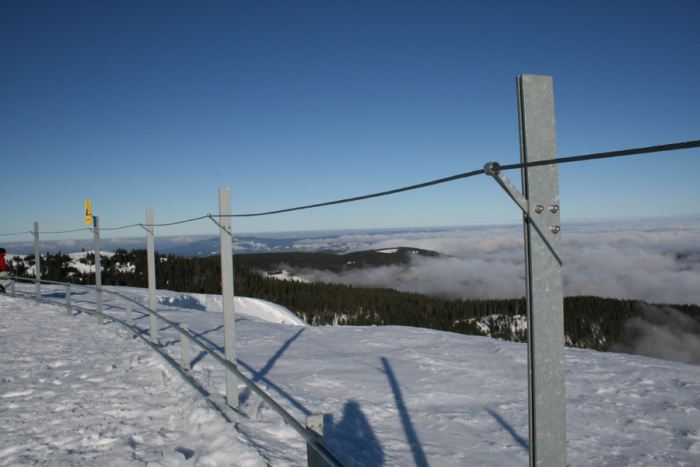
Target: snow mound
{"points": [[251, 308], [267, 311]]}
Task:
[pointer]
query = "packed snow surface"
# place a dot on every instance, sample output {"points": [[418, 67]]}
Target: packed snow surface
{"points": [[393, 395], [79, 394]]}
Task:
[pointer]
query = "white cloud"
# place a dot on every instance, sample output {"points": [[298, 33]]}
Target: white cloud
{"points": [[661, 332], [652, 261]]}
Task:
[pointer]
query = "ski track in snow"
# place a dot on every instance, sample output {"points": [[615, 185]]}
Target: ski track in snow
{"points": [[393, 395]]}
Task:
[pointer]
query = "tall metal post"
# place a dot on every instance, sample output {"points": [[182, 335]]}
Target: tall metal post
{"points": [[543, 273], [185, 349], [68, 304], [314, 423], [37, 262], [151, 259], [98, 270], [227, 293], [129, 319]]}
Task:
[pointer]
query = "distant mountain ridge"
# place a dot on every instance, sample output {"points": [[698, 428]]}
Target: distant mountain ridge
{"points": [[333, 261]]}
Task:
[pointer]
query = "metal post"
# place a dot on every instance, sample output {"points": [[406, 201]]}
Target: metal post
{"points": [[151, 259], [98, 270], [37, 262], [13, 292], [544, 290], [226, 241], [185, 354], [314, 423], [68, 304], [129, 319]]}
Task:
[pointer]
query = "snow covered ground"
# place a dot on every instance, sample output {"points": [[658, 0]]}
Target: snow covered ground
{"points": [[393, 395], [78, 394]]}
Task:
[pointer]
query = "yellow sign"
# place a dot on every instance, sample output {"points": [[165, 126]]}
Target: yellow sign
{"points": [[88, 212]]}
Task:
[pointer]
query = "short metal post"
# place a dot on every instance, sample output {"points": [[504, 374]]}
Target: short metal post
{"points": [[13, 292], [545, 302], [98, 270], [151, 260], [37, 262], [68, 304], [185, 354], [227, 293], [129, 319], [314, 423]]}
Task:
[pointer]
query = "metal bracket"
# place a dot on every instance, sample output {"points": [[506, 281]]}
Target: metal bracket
{"points": [[211, 217], [493, 169], [143, 226]]}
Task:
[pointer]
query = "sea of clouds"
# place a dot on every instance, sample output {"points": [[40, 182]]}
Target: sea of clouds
{"points": [[654, 261]]}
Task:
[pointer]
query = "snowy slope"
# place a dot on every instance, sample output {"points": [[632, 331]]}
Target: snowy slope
{"points": [[409, 396], [73, 394]]}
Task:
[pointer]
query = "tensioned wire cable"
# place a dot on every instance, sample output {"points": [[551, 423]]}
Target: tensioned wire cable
{"points": [[16, 233], [64, 231], [561, 160], [439, 181], [177, 222], [122, 227], [607, 155]]}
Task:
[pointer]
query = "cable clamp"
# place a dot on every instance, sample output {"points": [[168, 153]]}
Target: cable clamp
{"points": [[225, 229], [492, 169], [143, 226]]}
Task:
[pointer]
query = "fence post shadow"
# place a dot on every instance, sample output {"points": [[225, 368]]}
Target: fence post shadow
{"points": [[352, 437], [252, 370], [260, 374], [410, 433], [509, 428]]}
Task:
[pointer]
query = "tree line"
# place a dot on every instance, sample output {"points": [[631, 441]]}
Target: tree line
{"points": [[589, 322]]}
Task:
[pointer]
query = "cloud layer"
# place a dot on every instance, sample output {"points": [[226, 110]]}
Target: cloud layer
{"points": [[651, 261], [661, 332]]}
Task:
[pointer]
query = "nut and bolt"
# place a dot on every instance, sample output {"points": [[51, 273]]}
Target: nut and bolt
{"points": [[554, 229], [554, 208], [539, 208]]}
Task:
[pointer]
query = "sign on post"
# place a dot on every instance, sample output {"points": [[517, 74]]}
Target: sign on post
{"points": [[88, 212]]}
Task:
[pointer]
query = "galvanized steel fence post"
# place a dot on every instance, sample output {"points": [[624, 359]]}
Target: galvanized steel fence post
{"points": [[98, 270], [151, 260], [544, 289], [185, 353], [315, 424], [68, 305], [227, 293], [129, 319], [37, 261]]}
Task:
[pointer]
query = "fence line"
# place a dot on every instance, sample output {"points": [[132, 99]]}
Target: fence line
{"points": [[312, 438]]}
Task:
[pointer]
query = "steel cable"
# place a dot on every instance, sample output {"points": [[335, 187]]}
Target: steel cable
{"points": [[561, 160], [607, 155], [16, 233]]}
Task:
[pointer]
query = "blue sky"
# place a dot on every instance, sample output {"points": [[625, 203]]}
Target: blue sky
{"points": [[157, 104]]}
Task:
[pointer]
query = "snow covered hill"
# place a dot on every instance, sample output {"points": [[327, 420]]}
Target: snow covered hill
{"points": [[394, 395]]}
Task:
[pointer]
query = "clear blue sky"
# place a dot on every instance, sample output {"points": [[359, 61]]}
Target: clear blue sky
{"points": [[137, 104]]}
